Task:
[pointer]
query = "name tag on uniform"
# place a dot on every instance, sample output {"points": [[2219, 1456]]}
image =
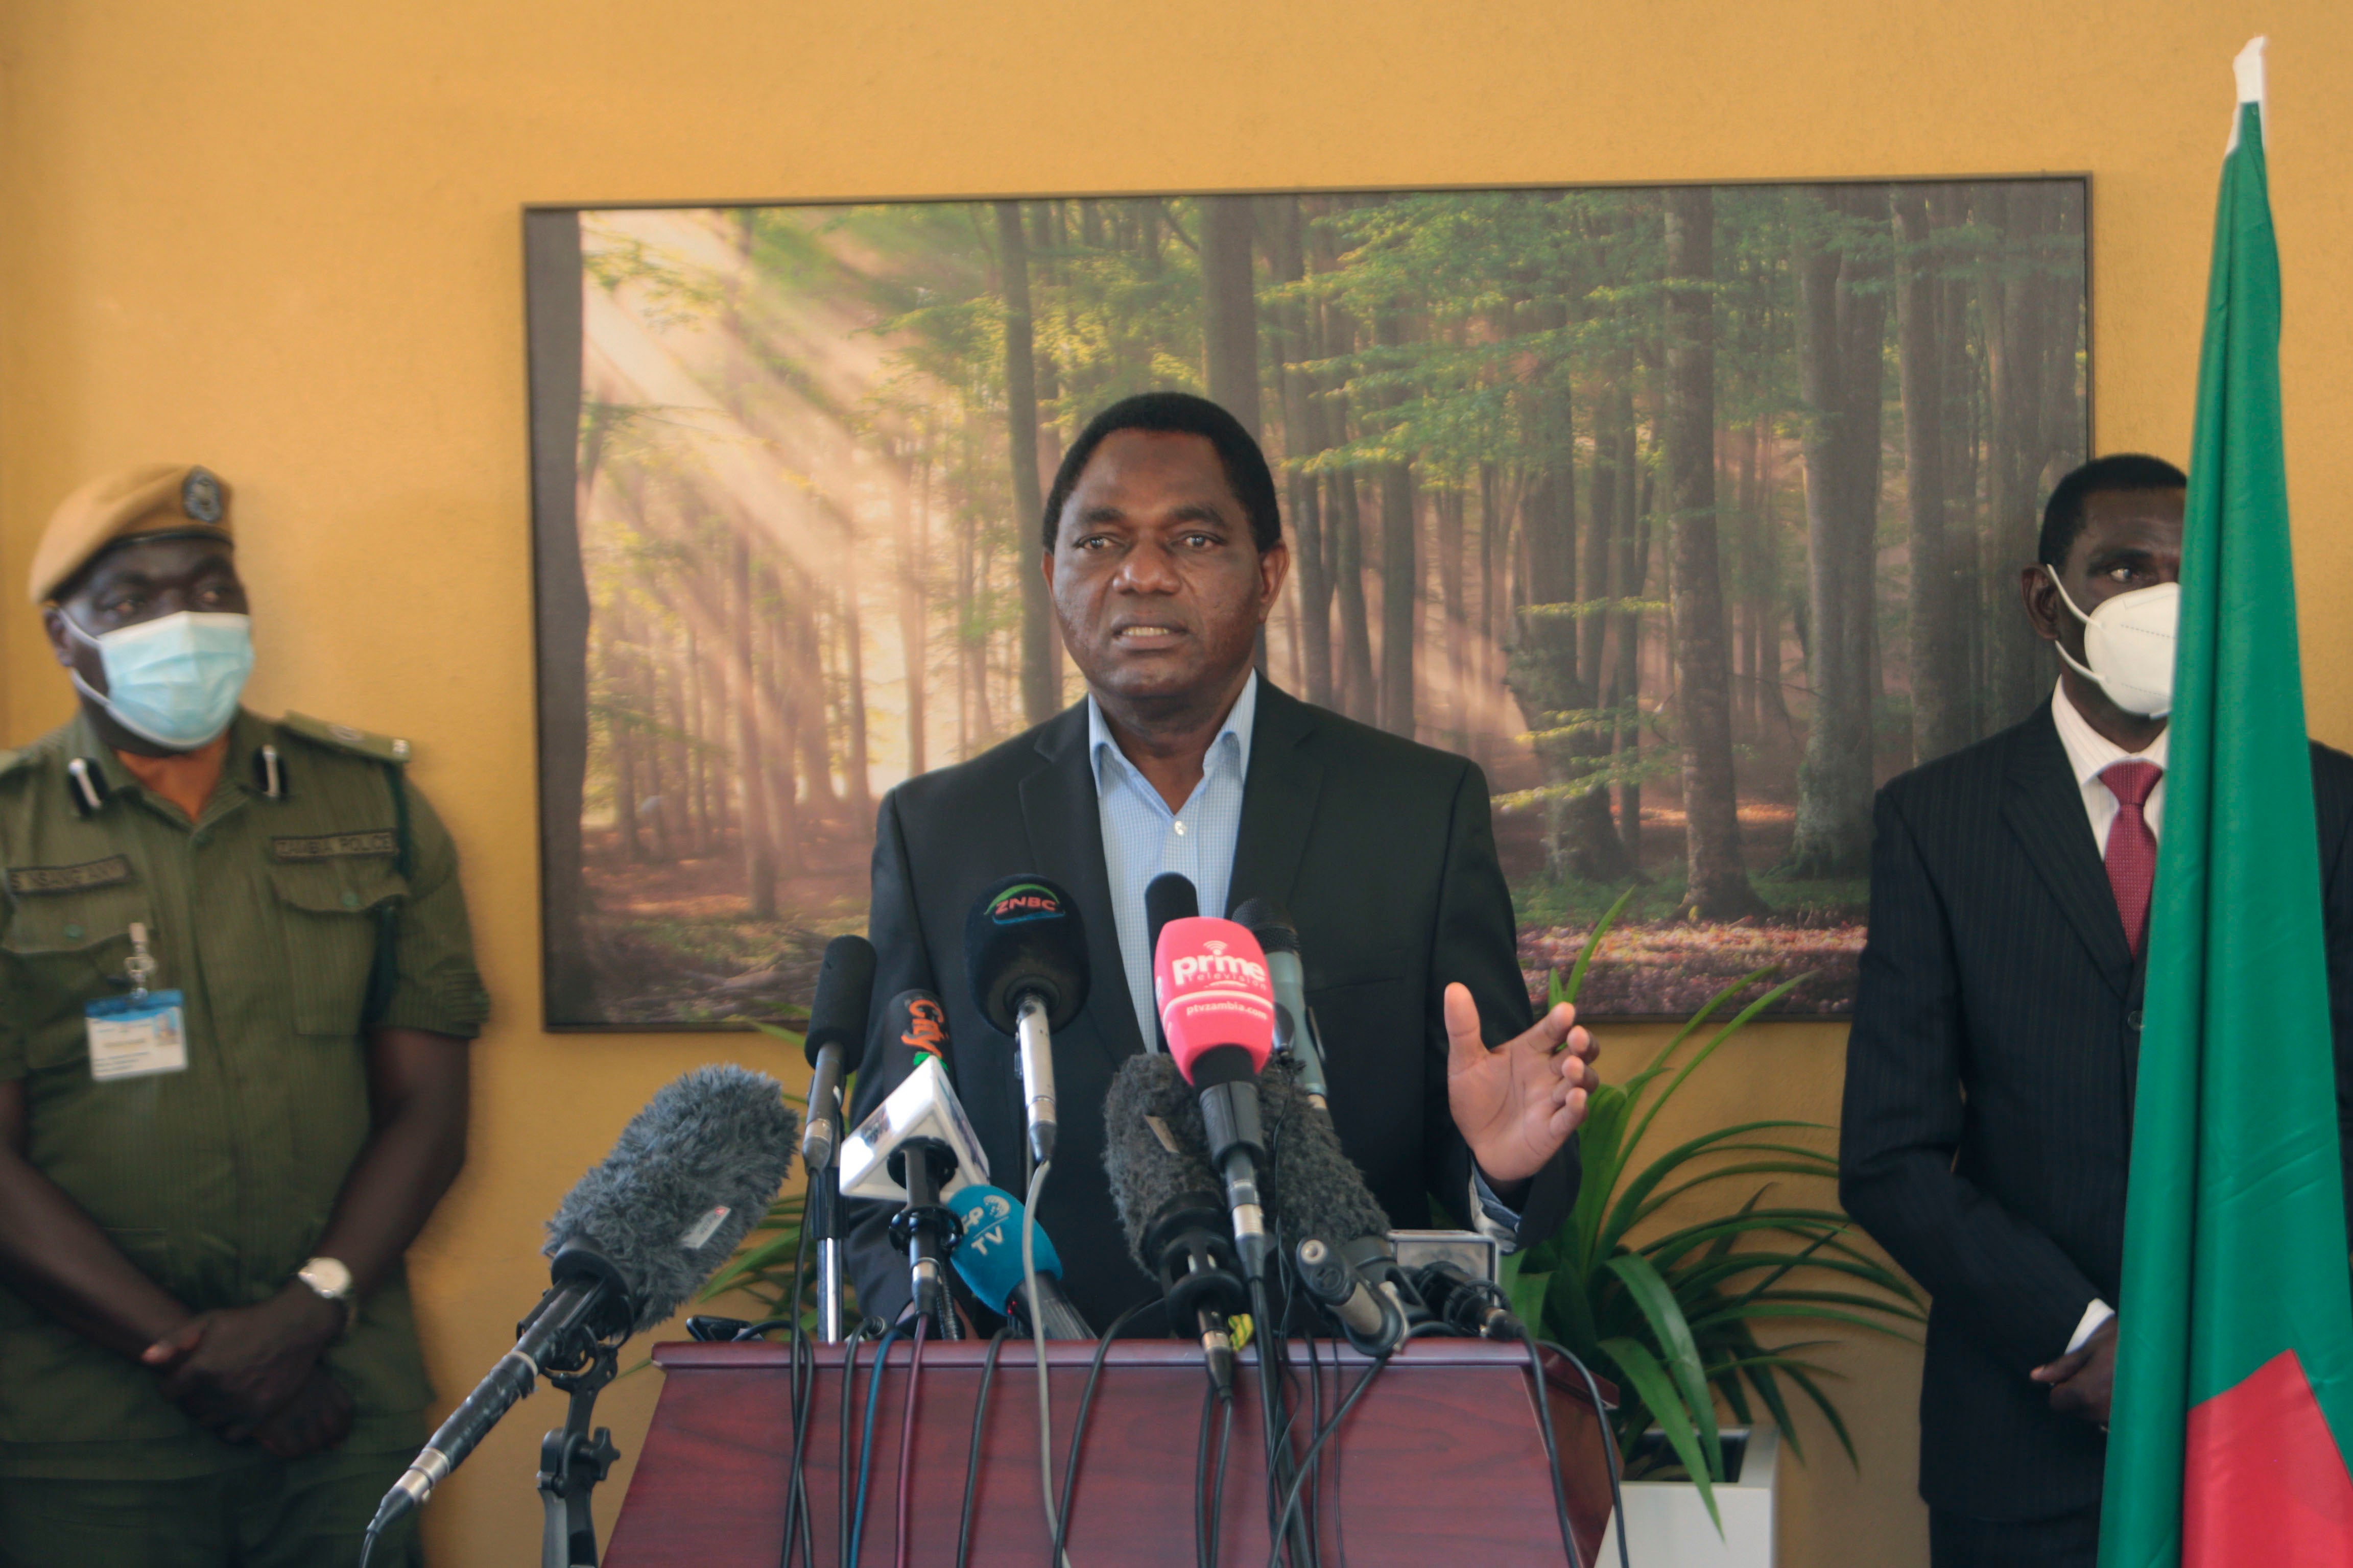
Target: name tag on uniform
{"points": [[137, 1037]]}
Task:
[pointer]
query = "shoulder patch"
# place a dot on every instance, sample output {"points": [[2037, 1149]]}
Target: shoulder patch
{"points": [[344, 738]]}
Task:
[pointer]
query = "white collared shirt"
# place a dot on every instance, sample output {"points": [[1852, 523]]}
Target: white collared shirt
{"points": [[2088, 752]]}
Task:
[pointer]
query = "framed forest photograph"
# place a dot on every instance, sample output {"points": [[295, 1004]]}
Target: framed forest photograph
{"points": [[1691, 513]]}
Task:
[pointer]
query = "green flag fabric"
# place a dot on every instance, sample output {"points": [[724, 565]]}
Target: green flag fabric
{"points": [[2233, 1405]]}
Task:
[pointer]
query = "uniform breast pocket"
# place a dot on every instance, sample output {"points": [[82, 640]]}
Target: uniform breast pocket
{"points": [[337, 916], [68, 950]]}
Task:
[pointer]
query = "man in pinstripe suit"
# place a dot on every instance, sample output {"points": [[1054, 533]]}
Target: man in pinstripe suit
{"points": [[1990, 1069]]}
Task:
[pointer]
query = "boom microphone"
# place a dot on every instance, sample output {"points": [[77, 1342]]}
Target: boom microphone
{"points": [[845, 986], [636, 1237], [1026, 954], [1156, 1155], [988, 1255]]}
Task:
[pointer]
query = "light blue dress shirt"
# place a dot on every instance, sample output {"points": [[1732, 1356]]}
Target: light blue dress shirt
{"points": [[1142, 838]]}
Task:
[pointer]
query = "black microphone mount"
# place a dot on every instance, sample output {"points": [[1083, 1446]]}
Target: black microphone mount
{"points": [[926, 1228]]}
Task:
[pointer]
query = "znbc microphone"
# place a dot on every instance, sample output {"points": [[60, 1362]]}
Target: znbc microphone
{"points": [[639, 1233], [1217, 1009], [988, 1255], [1026, 955], [845, 986]]}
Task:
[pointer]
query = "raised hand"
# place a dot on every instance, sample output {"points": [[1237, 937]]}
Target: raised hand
{"points": [[1516, 1105]]}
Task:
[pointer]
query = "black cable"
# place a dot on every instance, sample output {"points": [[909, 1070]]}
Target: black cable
{"points": [[1201, 1558], [1217, 1479], [866, 1438], [1551, 1459], [1316, 1423], [972, 1454], [907, 1441], [848, 1425], [802, 1383], [1078, 1426], [1279, 1472], [1608, 1441], [1291, 1500]]}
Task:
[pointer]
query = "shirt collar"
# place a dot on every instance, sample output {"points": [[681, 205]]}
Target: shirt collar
{"points": [[1232, 740], [2088, 751]]}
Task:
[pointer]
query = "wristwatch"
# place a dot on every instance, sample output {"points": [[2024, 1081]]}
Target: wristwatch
{"points": [[331, 1279]]}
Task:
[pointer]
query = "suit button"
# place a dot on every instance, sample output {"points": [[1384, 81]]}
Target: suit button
{"points": [[2132, 1020]]}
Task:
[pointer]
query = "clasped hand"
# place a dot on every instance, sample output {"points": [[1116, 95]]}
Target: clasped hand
{"points": [[2082, 1381], [1516, 1105], [255, 1372]]}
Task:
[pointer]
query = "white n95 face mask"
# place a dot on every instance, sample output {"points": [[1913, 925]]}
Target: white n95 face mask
{"points": [[2129, 641], [174, 680]]}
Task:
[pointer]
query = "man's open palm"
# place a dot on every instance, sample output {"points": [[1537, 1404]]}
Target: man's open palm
{"points": [[1516, 1105]]}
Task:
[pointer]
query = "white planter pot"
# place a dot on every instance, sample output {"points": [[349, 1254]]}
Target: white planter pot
{"points": [[1667, 1526]]}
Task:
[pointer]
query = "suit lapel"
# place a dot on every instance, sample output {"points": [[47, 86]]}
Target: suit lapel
{"points": [[1278, 801], [1065, 825], [2045, 809]]}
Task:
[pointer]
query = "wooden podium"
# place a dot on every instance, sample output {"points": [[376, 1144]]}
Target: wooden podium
{"points": [[1440, 1461]]}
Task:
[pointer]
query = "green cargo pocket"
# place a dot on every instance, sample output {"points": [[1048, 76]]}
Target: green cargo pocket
{"points": [[333, 913], [69, 950]]}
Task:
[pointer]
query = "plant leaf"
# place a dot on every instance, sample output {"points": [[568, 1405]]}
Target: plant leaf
{"points": [[1657, 1390], [1568, 993], [1666, 1316]]}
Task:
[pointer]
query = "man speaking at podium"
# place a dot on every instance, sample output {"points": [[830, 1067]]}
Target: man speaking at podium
{"points": [[1990, 1072], [1164, 553]]}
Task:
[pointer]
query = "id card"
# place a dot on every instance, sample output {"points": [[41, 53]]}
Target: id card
{"points": [[137, 1037]]}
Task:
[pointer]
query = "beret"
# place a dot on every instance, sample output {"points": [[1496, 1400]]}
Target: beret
{"points": [[154, 500]]}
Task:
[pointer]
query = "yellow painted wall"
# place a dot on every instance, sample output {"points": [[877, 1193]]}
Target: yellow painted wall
{"points": [[282, 239]]}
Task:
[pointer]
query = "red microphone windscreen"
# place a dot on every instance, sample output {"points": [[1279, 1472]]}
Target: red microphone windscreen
{"points": [[1209, 977]]}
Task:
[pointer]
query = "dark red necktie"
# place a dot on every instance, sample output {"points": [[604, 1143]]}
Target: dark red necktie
{"points": [[2132, 847]]}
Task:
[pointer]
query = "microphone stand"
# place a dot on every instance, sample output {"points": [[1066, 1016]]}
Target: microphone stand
{"points": [[571, 1461], [822, 1215]]}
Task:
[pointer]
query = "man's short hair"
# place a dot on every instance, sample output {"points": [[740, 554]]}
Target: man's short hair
{"points": [[1180, 413], [2062, 514]]}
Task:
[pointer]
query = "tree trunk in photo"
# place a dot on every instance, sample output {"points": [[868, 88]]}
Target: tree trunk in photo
{"points": [[801, 671], [793, 708], [564, 457], [1302, 437], [1717, 886], [1939, 679], [1629, 579], [1041, 658], [907, 513], [1841, 323], [621, 736], [1453, 537], [1230, 308], [698, 738], [1359, 696], [759, 853], [1400, 570], [2011, 302], [853, 686]]}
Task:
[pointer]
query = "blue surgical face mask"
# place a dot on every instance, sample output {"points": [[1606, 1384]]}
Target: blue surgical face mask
{"points": [[174, 680]]}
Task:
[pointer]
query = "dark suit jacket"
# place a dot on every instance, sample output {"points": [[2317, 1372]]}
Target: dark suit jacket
{"points": [[1383, 853], [1989, 1094]]}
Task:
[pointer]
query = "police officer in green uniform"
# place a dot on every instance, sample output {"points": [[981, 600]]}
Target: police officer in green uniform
{"points": [[237, 989]]}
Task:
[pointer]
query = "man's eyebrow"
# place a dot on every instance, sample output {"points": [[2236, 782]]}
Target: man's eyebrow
{"points": [[1198, 511], [1101, 511]]}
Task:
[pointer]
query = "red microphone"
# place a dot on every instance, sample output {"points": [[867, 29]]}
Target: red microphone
{"points": [[1217, 1009], [1210, 979]]}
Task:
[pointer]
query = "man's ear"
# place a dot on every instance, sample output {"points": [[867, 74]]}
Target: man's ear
{"points": [[1273, 565], [2041, 600], [53, 621]]}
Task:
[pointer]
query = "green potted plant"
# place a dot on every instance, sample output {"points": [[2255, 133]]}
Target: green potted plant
{"points": [[1672, 1311]]}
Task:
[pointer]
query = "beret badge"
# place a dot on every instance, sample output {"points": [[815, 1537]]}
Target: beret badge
{"points": [[200, 496]]}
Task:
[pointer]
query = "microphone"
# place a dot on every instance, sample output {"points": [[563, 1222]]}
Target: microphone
{"points": [[917, 1025], [1027, 956], [1155, 1157], [1217, 1008], [845, 986], [1373, 1320], [916, 1149], [1472, 1307], [988, 1255], [1294, 1026], [636, 1237]]}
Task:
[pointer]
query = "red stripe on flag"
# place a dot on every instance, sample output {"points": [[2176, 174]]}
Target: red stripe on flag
{"points": [[2263, 1484]]}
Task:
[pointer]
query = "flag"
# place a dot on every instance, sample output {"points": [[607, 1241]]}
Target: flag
{"points": [[2234, 1406]]}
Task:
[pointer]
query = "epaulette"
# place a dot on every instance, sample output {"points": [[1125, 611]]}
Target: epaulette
{"points": [[11, 760], [344, 738]]}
